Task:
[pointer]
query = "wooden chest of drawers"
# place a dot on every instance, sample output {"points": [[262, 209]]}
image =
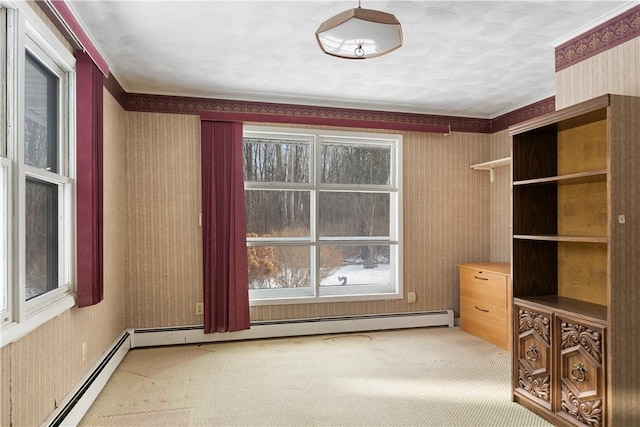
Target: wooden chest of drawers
{"points": [[485, 301]]}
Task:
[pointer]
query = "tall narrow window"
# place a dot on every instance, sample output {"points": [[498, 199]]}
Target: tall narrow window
{"points": [[41, 152], [37, 170], [323, 212]]}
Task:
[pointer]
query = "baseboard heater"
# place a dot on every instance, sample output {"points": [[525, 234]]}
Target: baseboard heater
{"points": [[294, 327], [79, 400], [73, 407]]}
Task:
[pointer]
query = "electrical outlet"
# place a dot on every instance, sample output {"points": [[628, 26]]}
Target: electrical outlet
{"points": [[84, 351], [411, 297], [199, 308]]}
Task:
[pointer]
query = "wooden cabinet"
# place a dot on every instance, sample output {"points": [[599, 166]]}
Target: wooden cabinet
{"points": [[559, 359], [533, 356], [580, 370], [576, 246], [485, 301]]}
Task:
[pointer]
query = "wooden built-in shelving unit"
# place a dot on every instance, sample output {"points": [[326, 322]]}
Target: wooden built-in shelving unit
{"points": [[575, 176]]}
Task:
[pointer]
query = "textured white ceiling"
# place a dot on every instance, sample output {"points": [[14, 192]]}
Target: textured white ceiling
{"points": [[462, 58]]}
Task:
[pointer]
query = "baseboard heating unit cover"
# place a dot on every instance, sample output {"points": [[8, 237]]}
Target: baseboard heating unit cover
{"points": [[77, 403], [294, 327]]}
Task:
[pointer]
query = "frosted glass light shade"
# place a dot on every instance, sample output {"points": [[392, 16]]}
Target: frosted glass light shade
{"points": [[359, 34]]}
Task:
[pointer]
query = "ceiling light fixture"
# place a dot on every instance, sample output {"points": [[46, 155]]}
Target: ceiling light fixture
{"points": [[359, 34]]}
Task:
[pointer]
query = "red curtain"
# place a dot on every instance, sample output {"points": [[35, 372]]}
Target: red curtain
{"points": [[89, 181], [226, 293]]}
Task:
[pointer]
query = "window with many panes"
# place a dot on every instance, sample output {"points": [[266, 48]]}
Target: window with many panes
{"points": [[323, 215], [36, 174]]}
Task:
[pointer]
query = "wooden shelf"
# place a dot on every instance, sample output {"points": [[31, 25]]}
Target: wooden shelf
{"points": [[556, 238], [570, 306], [573, 267], [491, 165], [571, 179]]}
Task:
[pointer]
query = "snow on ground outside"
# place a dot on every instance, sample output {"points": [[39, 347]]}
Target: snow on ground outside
{"points": [[356, 274]]}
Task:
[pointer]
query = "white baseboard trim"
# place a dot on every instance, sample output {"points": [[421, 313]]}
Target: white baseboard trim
{"points": [[79, 400], [71, 410]]}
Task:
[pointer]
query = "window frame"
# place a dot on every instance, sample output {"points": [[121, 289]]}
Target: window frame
{"points": [[7, 237], [320, 294], [26, 32], [5, 176]]}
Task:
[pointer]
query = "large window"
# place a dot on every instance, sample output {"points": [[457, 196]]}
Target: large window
{"points": [[323, 215], [36, 174]]}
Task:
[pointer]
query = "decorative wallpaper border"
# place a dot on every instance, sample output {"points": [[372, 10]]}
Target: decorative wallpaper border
{"points": [[615, 31], [531, 111], [326, 116], [606, 36], [113, 86], [301, 114]]}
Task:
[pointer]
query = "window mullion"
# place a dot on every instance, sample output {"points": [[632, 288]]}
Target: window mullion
{"points": [[46, 176], [276, 186], [62, 241], [20, 251], [358, 188], [19, 185], [271, 241], [315, 214]]}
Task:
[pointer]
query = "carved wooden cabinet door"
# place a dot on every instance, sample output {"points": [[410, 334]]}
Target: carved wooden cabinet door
{"points": [[533, 358], [581, 371]]}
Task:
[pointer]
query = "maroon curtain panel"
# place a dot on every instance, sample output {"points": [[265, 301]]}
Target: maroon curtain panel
{"points": [[226, 292], [89, 181]]}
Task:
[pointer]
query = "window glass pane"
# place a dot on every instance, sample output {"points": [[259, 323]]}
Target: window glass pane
{"points": [[41, 116], [362, 265], [272, 160], [274, 267], [277, 213], [354, 214], [41, 205], [353, 164]]}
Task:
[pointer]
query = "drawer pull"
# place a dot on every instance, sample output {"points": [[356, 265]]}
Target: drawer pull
{"points": [[579, 372], [480, 309], [532, 353], [480, 278]]}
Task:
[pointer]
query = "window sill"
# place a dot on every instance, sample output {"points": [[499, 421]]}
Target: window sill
{"points": [[12, 332], [324, 299]]}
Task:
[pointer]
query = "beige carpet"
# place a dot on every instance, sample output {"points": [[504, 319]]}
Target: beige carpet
{"points": [[419, 377]]}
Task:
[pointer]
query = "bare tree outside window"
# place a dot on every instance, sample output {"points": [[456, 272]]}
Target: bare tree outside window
{"points": [[296, 218], [41, 238], [356, 214], [354, 164], [41, 198]]}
